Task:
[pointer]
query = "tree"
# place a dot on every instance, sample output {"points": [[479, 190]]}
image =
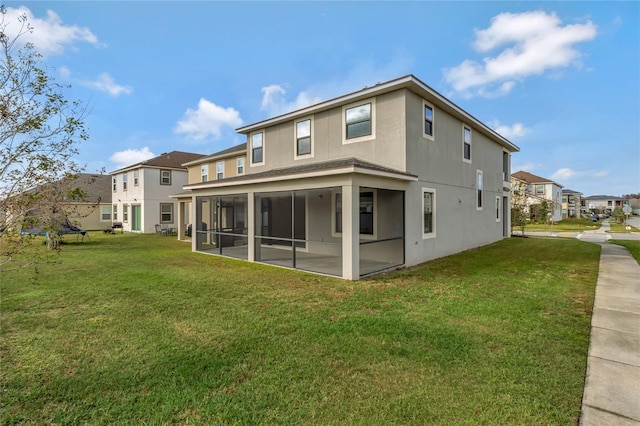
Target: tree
{"points": [[618, 215], [519, 208], [543, 211], [39, 133]]}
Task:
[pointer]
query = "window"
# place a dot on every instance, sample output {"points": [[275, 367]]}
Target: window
{"points": [[136, 178], [303, 137], [114, 184], [479, 189], [539, 189], [240, 165], [257, 153], [166, 213], [124, 182], [125, 212], [204, 173], [497, 209], [358, 121], [609, 203], [115, 212], [105, 213], [466, 143], [165, 177], [428, 213], [428, 120], [366, 211], [220, 170]]}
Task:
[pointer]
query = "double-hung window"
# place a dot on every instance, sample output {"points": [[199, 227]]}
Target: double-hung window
{"points": [[124, 182], [240, 166], [427, 130], [114, 184], [539, 189], [479, 188], [220, 170], [166, 213], [125, 212], [115, 212], [257, 148], [165, 177], [358, 121], [466, 143], [204, 173], [136, 177], [303, 138], [428, 213], [105, 214]]}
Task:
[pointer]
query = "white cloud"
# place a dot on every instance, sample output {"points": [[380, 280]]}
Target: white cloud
{"points": [[601, 174], [207, 120], [131, 156], [275, 103], [529, 166], [509, 132], [533, 42], [564, 173], [105, 83], [49, 36]]}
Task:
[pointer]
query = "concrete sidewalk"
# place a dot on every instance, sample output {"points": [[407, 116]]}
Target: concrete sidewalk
{"points": [[612, 387]]}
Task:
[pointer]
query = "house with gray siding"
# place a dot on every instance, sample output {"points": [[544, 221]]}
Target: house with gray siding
{"points": [[386, 177]]}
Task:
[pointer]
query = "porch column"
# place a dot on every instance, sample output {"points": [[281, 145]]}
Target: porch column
{"points": [[251, 227], [351, 232], [196, 214]]}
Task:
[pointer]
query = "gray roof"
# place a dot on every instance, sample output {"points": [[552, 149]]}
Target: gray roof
{"points": [[314, 167], [225, 152], [168, 160], [570, 191], [603, 197]]}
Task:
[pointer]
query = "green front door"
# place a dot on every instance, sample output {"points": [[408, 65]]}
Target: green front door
{"points": [[136, 218]]}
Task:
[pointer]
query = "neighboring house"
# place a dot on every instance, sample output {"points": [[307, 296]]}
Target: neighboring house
{"points": [[385, 177], [539, 189], [140, 192], [602, 204], [571, 202]]}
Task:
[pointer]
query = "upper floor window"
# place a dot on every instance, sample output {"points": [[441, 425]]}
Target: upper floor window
{"points": [[539, 189], [240, 165], [204, 173], [428, 213], [609, 203], [114, 184], [428, 120], [466, 143], [220, 170], [136, 178], [358, 121], [303, 137], [257, 152], [165, 177], [124, 182], [479, 186]]}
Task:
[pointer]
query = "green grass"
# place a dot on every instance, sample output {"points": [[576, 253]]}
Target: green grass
{"points": [[566, 225], [632, 245], [138, 330], [620, 228]]}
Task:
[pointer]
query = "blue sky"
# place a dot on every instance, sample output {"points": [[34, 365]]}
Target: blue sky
{"points": [[559, 79]]}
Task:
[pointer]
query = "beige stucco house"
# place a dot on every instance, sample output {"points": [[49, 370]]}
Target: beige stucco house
{"points": [[141, 192], [571, 203], [385, 177], [539, 189]]}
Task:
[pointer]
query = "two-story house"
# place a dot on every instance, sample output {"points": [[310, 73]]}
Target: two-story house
{"points": [[385, 177], [571, 203], [539, 189], [602, 204], [141, 192]]}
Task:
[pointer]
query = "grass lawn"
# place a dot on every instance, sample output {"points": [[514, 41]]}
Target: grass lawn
{"points": [[566, 225], [632, 245], [137, 329], [620, 228]]}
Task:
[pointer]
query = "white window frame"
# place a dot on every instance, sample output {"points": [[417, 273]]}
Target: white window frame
{"points": [[431, 234], [264, 140], [136, 178], [363, 138], [115, 187], [105, 210], [464, 142], [297, 156], [163, 213], [240, 166], [479, 190], [433, 120], [124, 182], [373, 236], [204, 173], [115, 213], [498, 209], [125, 213], [220, 170]]}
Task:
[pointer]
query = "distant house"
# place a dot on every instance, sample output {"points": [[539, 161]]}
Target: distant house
{"points": [[602, 204], [385, 177], [571, 202], [539, 189], [140, 192]]}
